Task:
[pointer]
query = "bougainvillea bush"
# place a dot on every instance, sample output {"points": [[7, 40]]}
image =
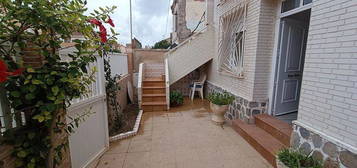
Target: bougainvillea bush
{"points": [[44, 92]]}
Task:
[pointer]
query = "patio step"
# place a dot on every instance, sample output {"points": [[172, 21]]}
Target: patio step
{"points": [[262, 141], [277, 128]]}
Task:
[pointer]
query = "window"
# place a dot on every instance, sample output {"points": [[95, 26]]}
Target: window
{"points": [[231, 42], [307, 2], [288, 5]]}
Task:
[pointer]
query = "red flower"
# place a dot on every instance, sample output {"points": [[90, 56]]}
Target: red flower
{"points": [[95, 21], [4, 74], [110, 21], [102, 29], [103, 33]]}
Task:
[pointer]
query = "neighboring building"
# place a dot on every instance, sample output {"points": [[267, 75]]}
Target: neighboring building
{"points": [[294, 60], [187, 15]]}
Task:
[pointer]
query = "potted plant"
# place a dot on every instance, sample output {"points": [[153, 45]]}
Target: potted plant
{"points": [[290, 158], [176, 98], [219, 105]]}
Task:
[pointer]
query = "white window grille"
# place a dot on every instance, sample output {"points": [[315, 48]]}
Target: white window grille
{"points": [[231, 43]]}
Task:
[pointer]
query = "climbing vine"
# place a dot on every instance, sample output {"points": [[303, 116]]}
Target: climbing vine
{"points": [[44, 92], [112, 87]]}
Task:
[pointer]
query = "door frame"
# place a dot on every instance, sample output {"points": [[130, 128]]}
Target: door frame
{"points": [[276, 59]]}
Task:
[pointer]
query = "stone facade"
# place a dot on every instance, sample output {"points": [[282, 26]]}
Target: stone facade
{"points": [[331, 154], [182, 85], [241, 108], [180, 30]]}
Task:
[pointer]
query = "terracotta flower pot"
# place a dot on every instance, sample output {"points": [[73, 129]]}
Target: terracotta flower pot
{"points": [[218, 112]]}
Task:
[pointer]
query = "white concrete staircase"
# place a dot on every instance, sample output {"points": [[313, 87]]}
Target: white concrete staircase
{"points": [[190, 54]]}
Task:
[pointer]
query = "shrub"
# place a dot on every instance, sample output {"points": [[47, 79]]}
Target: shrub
{"points": [[296, 159], [176, 98], [220, 98]]}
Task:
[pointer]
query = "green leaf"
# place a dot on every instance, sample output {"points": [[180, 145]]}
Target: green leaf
{"points": [[32, 88], [30, 70], [36, 82], [31, 135], [39, 118], [55, 90], [15, 94], [22, 154], [29, 96]]}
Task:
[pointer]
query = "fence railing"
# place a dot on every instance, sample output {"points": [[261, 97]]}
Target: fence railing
{"points": [[167, 83], [97, 88], [9, 118], [140, 81]]}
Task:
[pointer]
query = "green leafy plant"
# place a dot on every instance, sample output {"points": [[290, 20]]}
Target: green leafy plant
{"points": [[220, 98], [176, 98], [112, 87], [296, 159], [163, 44], [44, 92]]}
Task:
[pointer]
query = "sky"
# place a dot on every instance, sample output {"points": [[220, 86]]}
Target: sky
{"points": [[152, 19]]}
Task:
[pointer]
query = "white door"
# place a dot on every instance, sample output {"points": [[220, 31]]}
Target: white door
{"points": [[292, 47]]}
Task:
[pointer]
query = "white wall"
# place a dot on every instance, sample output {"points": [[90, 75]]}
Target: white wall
{"points": [[240, 87], [328, 101], [190, 54], [118, 63]]}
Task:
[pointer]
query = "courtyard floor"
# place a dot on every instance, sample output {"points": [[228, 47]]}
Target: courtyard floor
{"points": [[183, 137]]}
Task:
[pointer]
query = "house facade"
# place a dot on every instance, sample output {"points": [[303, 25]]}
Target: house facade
{"points": [[186, 17], [292, 59]]}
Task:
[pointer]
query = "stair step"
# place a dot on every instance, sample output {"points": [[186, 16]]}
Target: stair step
{"points": [[154, 95], [260, 140], [275, 127], [153, 87], [154, 82], [154, 79], [154, 103]]}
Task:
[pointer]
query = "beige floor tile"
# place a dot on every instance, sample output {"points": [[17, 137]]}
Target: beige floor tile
{"points": [[112, 161], [162, 165], [137, 160], [120, 146], [184, 137], [190, 164], [140, 146]]}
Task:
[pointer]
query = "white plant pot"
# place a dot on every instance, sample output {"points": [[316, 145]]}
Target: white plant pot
{"points": [[218, 112]]}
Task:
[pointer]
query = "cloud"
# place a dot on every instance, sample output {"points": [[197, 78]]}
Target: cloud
{"points": [[152, 20]]}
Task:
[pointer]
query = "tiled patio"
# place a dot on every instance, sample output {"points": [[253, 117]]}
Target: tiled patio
{"points": [[184, 137]]}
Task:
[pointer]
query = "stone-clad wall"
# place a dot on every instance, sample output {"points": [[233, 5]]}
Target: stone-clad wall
{"points": [[241, 108], [182, 85], [322, 149]]}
